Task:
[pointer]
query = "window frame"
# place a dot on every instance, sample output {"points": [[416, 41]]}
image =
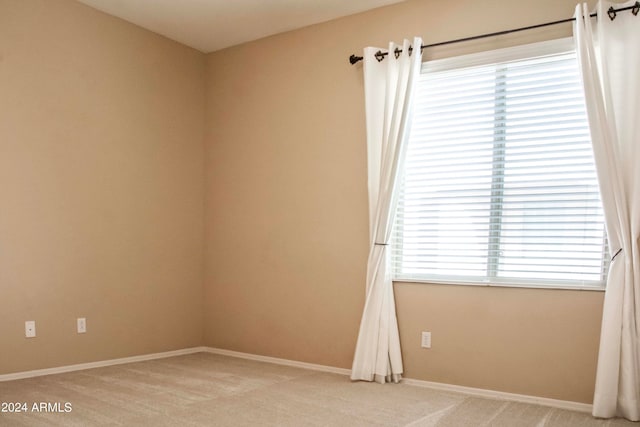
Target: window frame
{"points": [[550, 47]]}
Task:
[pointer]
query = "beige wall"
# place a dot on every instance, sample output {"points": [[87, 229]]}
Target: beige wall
{"points": [[102, 181], [287, 214], [101, 187]]}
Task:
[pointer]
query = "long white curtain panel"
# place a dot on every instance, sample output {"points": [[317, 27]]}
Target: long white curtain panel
{"points": [[389, 88], [609, 53]]}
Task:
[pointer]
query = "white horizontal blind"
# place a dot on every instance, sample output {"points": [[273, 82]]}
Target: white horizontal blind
{"points": [[499, 184]]}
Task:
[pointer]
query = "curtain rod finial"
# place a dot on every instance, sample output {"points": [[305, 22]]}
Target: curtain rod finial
{"points": [[354, 59]]}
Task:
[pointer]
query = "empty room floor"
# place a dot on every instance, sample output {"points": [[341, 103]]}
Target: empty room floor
{"points": [[204, 389]]}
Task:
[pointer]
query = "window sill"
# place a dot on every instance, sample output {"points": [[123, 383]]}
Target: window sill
{"points": [[549, 286]]}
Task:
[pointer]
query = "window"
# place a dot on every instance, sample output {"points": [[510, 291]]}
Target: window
{"points": [[499, 184]]}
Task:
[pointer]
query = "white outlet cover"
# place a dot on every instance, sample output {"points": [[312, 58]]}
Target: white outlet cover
{"points": [[426, 340], [30, 328], [82, 325]]}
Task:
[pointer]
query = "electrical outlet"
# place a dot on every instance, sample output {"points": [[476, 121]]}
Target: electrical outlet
{"points": [[82, 325], [426, 340], [30, 328]]}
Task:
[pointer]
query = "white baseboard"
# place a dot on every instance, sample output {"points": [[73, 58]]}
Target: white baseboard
{"points": [[489, 394], [478, 392], [278, 361], [500, 395], [98, 364]]}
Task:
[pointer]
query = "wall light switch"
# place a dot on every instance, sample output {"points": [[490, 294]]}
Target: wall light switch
{"points": [[426, 340], [82, 325], [30, 328]]}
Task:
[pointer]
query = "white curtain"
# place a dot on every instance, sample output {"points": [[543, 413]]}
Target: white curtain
{"points": [[388, 93], [609, 53]]}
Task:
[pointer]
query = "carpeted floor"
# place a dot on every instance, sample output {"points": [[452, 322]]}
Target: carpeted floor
{"points": [[209, 390]]}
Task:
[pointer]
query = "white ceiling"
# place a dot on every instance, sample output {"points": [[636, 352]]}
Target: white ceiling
{"points": [[209, 25]]}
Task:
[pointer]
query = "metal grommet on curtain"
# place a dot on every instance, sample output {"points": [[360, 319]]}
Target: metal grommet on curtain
{"points": [[379, 56], [397, 52], [636, 8], [612, 13]]}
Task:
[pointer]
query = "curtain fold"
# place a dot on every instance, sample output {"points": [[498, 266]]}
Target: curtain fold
{"points": [[388, 96], [610, 62]]}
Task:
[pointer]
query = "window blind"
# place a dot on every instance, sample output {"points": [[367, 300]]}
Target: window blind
{"points": [[499, 184]]}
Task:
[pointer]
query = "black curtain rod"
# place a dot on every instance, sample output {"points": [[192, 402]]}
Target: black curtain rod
{"points": [[379, 55]]}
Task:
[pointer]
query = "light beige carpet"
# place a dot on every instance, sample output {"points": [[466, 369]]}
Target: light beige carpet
{"points": [[209, 390]]}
